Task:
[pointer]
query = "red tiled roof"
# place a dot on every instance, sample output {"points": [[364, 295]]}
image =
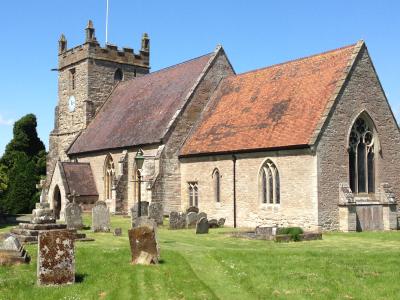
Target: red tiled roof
{"points": [[139, 111], [79, 178], [275, 107]]}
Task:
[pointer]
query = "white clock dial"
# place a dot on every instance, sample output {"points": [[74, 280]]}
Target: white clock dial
{"points": [[71, 103]]}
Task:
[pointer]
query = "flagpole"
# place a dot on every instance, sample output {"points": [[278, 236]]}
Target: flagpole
{"points": [[107, 24]]}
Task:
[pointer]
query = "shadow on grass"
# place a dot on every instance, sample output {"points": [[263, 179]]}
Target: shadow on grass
{"points": [[80, 277]]}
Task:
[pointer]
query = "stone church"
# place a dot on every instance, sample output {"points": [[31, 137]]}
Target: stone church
{"points": [[311, 142]]}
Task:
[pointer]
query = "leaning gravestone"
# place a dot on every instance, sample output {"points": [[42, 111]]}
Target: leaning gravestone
{"points": [[100, 217], [192, 209], [144, 208], [144, 248], [73, 216], [201, 215], [56, 257], [156, 212], [177, 220], [191, 220], [12, 252], [202, 226]]}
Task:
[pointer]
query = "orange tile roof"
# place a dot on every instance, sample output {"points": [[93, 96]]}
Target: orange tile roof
{"points": [[276, 107]]}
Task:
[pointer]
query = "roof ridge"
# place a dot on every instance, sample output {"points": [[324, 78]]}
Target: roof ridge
{"points": [[296, 60], [167, 68]]}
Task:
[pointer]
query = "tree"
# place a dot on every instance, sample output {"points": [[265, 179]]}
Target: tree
{"points": [[21, 167]]}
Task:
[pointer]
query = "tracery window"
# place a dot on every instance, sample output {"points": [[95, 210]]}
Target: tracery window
{"points": [[109, 173], [361, 157], [216, 183], [193, 194], [72, 78], [270, 184]]}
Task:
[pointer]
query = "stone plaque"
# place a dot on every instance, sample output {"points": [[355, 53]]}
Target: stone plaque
{"points": [[191, 220], [202, 226], [144, 248], [192, 209], [73, 216], [177, 220], [156, 212], [100, 217], [56, 257]]}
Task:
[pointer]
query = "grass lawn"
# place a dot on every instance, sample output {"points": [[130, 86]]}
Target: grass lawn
{"points": [[215, 266]]}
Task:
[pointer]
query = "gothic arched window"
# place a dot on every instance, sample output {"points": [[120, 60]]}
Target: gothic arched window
{"points": [[269, 183], [118, 75], [109, 173], [216, 183], [361, 157]]}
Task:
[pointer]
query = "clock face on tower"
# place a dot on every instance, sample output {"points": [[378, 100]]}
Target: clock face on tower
{"points": [[71, 103]]}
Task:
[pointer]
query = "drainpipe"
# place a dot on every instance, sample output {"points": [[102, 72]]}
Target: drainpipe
{"points": [[234, 189]]}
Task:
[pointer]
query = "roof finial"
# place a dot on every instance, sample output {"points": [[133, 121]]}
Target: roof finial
{"points": [[90, 32], [145, 43], [62, 44]]}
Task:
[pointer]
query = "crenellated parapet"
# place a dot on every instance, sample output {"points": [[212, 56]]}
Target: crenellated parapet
{"points": [[91, 49]]}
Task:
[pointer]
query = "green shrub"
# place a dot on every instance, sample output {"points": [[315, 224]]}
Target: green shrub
{"points": [[292, 231]]}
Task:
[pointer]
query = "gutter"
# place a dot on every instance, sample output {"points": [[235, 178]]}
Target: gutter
{"points": [[234, 189]]}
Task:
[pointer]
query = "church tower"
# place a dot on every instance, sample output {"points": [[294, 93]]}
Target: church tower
{"points": [[86, 76]]}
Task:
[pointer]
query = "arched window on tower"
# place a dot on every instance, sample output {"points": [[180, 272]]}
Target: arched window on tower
{"points": [[361, 156], [109, 173], [216, 184], [118, 75], [269, 184]]}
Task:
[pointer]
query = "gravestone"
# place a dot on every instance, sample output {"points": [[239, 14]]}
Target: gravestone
{"points": [[156, 212], [202, 226], [145, 221], [144, 208], [191, 220], [221, 222], [12, 252], [192, 209], [177, 220], [73, 216], [201, 215], [213, 223], [118, 231], [143, 243], [56, 257], [100, 217]]}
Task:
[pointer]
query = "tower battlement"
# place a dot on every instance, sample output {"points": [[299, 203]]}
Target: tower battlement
{"points": [[91, 49]]}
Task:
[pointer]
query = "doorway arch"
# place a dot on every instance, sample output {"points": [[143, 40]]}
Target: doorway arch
{"points": [[57, 202]]}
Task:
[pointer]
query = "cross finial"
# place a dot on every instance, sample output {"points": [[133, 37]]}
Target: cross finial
{"points": [[73, 196]]}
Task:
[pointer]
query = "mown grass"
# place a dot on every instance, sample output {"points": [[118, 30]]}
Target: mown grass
{"points": [[215, 266]]}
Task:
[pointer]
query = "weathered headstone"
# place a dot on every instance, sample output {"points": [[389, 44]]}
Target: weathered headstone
{"points": [[73, 216], [213, 223], [156, 212], [221, 222], [56, 257], [144, 208], [177, 220], [143, 242], [145, 221], [11, 252], [202, 226], [100, 217], [201, 215], [266, 231], [118, 231], [192, 209], [191, 220]]}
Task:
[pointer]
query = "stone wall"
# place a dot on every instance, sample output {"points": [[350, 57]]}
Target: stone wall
{"points": [[362, 93], [169, 185], [298, 186]]}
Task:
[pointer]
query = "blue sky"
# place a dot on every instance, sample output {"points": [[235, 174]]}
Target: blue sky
{"points": [[254, 34]]}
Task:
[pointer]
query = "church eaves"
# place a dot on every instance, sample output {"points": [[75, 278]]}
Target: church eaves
{"points": [[279, 107], [140, 111]]}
